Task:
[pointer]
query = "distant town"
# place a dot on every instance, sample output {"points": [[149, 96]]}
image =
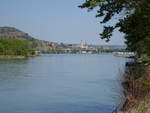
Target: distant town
{"points": [[82, 48]]}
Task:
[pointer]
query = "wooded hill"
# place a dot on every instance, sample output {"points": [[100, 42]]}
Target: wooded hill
{"points": [[13, 33]]}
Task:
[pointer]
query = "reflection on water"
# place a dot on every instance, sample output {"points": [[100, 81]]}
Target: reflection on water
{"points": [[61, 84]]}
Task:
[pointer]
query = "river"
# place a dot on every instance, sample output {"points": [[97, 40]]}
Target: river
{"points": [[61, 83]]}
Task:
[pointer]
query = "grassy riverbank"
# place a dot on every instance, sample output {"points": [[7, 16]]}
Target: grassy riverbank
{"points": [[3, 57], [141, 107], [137, 88], [11, 57]]}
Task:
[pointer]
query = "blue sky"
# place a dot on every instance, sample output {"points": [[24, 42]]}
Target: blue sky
{"points": [[54, 20]]}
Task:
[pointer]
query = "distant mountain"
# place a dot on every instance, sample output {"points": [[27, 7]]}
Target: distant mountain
{"points": [[11, 32]]}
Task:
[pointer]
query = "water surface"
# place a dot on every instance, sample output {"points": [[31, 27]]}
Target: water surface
{"points": [[61, 84]]}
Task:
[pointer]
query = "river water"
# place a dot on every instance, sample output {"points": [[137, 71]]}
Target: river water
{"points": [[61, 84]]}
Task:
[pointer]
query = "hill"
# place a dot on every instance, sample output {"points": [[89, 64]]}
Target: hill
{"points": [[13, 33]]}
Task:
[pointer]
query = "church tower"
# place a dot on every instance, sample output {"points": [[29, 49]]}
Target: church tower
{"points": [[81, 44]]}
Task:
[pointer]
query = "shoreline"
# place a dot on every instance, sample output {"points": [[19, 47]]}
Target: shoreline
{"points": [[7, 57], [136, 86], [11, 57]]}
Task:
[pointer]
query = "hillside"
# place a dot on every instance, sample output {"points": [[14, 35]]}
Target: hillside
{"points": [[13, 33]]}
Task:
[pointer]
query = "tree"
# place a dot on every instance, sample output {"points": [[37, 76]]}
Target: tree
{"points": [[134, 21], [13, 47]]}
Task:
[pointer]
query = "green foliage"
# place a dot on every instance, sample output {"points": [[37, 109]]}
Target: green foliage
{"points": [[13, 33], [135, 21], [144, 47], [13, 47]]}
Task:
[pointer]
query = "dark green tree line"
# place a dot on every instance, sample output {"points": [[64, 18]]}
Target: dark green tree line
{"points": [[14, 47]]}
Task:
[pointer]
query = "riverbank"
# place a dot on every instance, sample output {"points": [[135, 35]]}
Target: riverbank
{"points": [[3, 57], [137, 88], [11, 57], [141, 107]]}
